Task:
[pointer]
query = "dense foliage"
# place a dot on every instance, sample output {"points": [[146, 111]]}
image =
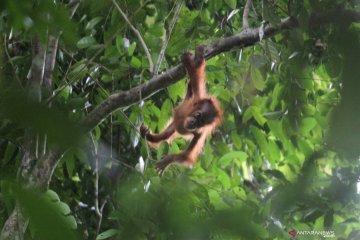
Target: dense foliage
{"points": [[285, 158]]}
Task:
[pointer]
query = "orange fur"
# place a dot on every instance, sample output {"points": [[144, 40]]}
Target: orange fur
{"points": [[197, 108]]}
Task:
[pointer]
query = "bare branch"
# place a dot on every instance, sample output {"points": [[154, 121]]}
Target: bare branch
{"points": [[246, 14], [138, 35], [15, 226], [101, 216], [167, 38]]}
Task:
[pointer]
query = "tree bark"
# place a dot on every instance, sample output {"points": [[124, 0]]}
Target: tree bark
{"points": [[42, 172]]}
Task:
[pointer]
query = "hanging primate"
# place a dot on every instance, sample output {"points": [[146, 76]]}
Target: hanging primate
{"points": [[198, 115]]}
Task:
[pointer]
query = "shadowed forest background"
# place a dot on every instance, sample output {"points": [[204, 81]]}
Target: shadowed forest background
{"points": [[78, 77]]}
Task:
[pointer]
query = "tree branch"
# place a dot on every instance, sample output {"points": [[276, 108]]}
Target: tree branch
{"points": [[138, 35], [44, 168], [15, 226], [247, 37], [167, 38], [171, 76], [246, 14]]}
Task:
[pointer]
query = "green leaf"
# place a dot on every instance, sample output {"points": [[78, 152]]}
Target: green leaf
{"points": [[259, 118], [257, 79], [276, 129], [131, 49], [231, 3], [65, 92], [157, 29], [86, 42], [177, 90], [273, 153], [277, 174], [78, 71], [307, 124], [163, 149], [239, 155], [120, 44], [70, 165], [236, 139], [258, 61], [307, 82], [260, 138], [106, 78], [305, 147], [270, 16], [224, 179], [107, 234], [42, 212], [166, 111], [135, 62], [247, 115], [76, 103], [174, 148], [9, 152], [272, 51], [92, 23], [52, 195], [63, 208], [214, 6], [278, 90]]}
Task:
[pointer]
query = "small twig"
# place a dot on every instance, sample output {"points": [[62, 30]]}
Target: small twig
{"points": [[142, 116], [96, 171], [246, 14], [100, 217], [130, 122], [137, 33], [117, 161], [98, 210], [167, 38]]}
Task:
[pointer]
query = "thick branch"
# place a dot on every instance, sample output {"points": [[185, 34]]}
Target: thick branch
{"points": [[42, 172], [15, 226]]}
